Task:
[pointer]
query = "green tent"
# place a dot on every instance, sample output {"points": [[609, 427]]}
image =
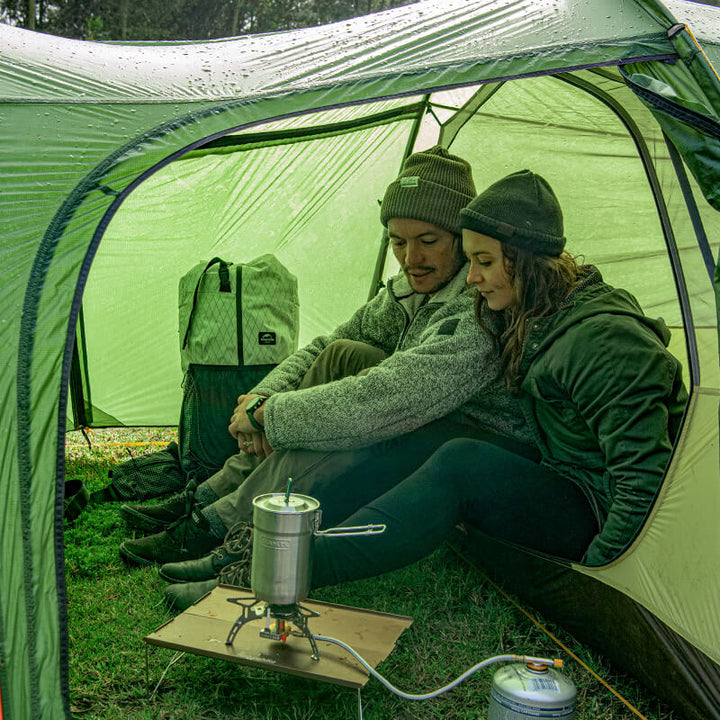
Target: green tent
{"points": [[123, 166]]}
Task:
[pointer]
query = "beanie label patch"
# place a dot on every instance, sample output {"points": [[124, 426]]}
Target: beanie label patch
{"points": [[410, 181], [505, 229]]}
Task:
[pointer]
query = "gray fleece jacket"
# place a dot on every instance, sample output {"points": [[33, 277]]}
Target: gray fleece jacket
{"points": [[440, 363]]}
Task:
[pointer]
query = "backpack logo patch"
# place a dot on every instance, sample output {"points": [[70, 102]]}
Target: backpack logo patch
{"points": [[265, 337]]}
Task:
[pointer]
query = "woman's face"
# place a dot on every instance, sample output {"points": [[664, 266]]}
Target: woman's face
{"points": [[487, 269]]}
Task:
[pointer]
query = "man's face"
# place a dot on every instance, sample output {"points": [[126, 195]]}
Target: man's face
{"points": [[428, 255]]}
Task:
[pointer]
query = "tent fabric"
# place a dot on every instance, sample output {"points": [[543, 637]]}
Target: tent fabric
{"points": [[124, 165]]}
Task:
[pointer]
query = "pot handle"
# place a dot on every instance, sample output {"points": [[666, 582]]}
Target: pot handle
{"points": [[352, 530]]}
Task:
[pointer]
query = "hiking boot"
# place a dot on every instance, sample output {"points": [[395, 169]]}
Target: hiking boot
{"points": [[180, 596], [185, 539], [154, 518], [237, 546]]}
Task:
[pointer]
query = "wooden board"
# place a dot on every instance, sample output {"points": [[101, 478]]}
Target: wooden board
{"points": [[203, 629]]}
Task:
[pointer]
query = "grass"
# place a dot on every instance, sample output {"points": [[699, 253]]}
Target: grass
{"points": [[459, 619]]}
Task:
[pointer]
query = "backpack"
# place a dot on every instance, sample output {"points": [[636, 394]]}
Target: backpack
{"points": [[238, 315], [236, 322]]}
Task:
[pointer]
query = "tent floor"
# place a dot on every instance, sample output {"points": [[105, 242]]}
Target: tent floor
{"points": [[598, 615]]}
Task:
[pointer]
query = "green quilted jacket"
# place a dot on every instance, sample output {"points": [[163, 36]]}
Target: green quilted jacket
{"points": [[604, 400]]}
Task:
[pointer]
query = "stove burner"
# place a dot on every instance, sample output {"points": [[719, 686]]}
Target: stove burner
{"points": [[278, 621]]}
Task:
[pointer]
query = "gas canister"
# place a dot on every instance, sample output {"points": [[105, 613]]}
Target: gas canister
{"points": [[530, 690]]}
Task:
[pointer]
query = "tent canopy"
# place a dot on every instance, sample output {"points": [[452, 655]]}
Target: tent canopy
{"points": [[123, 166]]}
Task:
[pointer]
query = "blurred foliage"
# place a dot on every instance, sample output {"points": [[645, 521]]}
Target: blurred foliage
{"points": [[124, 20]]}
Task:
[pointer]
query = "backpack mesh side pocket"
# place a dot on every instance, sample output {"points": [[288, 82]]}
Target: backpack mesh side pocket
{"points": [[147, 476], [210, 395]]}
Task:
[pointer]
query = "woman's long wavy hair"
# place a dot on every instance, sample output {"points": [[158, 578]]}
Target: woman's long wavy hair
{"points": [[540, 284]]}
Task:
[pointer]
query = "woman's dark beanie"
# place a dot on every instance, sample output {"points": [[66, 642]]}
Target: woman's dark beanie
{"points": [[520, 210], [433, 186]]}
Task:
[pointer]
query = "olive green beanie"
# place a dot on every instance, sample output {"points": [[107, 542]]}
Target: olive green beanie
{"points": [[433, 187], [520, 210]]}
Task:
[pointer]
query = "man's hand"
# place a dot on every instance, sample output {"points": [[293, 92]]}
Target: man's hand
{"points": [[249, 439], [239, 422], [254, 443]]}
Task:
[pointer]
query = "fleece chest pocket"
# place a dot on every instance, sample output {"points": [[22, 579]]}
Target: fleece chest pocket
{"points": [[448, 327]]}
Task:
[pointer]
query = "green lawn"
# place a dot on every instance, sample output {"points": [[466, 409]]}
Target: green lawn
{"points": [[459, 619]]}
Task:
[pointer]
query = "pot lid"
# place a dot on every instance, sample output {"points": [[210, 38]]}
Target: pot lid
{"points": [[282, 503]]}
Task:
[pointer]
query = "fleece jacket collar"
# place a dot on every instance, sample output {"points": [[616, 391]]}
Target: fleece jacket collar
{"points": [[400, 288]]}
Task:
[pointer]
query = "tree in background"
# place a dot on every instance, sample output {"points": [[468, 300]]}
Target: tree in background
{"points": [[179, 19]]}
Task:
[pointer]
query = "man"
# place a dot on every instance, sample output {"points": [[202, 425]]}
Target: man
{"points": [[409, 370]]}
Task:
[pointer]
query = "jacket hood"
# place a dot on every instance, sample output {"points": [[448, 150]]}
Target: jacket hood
{"points": [[594, 297]]}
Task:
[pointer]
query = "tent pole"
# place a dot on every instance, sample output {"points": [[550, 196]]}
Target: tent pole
{"points": [[694, 212], [663, 216], [376, 282]]}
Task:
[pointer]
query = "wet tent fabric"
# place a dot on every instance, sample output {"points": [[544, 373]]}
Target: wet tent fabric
{"points": [[122, 166]]}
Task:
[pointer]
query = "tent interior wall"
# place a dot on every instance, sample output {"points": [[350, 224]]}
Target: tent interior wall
{"points": [[280, 194]]}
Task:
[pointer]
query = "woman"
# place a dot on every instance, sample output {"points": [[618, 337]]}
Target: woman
{"points": [[602, 395]]}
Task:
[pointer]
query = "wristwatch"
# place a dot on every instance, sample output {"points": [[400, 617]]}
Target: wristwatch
{"points": [[250, 409]]}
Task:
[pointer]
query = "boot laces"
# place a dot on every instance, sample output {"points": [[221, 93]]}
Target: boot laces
{"points": [[237, 573], [185, 529], [238, 540]]}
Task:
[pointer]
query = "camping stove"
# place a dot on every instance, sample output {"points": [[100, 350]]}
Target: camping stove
{"points": [[279, 621], [285, 527]]}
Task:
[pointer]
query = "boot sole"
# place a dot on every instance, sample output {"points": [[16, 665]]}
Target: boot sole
{"points": [[138, 521], [132, 559], [183, 581]]}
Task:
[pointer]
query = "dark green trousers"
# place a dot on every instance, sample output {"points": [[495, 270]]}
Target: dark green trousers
{"points": [[502, 493]]}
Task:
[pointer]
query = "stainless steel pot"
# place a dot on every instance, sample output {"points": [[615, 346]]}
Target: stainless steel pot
{"points": [[286, 525]]}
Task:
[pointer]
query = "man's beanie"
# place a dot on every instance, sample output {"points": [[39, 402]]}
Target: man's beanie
{"points": [[521, 210], [433, 186]]}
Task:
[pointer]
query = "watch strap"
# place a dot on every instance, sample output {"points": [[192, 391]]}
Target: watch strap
{"points": [[251, 408]]}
